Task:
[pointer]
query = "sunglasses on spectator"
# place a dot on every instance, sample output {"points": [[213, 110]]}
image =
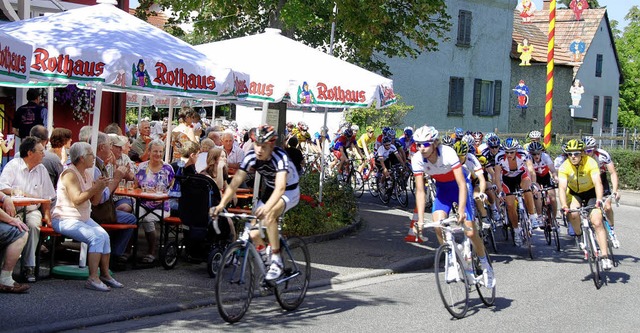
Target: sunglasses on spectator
{"points": [[574, 154], [425, 144], [589, 151]]}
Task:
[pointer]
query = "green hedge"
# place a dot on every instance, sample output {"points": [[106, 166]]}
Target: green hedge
{"points": [[310, 217]]}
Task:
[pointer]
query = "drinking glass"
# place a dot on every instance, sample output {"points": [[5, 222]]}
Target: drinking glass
{"points": [[122, 185], [130, 185], [16, 191]]}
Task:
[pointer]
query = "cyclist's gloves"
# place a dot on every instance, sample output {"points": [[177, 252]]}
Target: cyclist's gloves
{"points": [[565, 211], [599, 204]]}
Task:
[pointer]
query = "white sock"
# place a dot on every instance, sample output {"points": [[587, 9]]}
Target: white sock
{"points": [[534, 216], [6, 279], [276, 257]]}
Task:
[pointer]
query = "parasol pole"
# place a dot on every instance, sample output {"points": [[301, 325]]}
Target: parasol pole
{"points": [[167, 138], [548, 107]]}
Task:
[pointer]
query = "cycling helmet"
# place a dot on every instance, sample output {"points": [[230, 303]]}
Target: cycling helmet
{"points": [[385, 130], [425, 133], [510, 144], [408, 131], [477, 135], [266, 133], [386, 140], [573, 145], [489, 135], [391, 133], [469, 140], [459, 132], [589, 142], [535, 135], [348, 132], [447, 141], [304, 127], [289, 124], [535, 146], [355, 127], [461, 147], [493, 141], [370, 129]]}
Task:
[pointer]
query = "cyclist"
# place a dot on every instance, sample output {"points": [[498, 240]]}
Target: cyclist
{"points": [[510, 173], [280, 194], [534, 136], [489, 153], [543, 173], [364, 142], [447, 141], [442, 164], [579, 184], [386, 156], [475, 174], [458, 133], [477, 139], [407, 140], [391, 134], [343, 143], [606, 165]]}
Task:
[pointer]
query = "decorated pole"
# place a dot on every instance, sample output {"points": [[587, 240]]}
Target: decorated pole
{"points": [[548, 107]]}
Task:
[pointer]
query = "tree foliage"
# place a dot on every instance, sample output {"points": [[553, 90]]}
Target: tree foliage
{"points": [[365, 30], [391, 116], [629, 56]]}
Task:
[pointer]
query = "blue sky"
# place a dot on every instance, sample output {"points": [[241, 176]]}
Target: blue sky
{"points": [[617, 9]]}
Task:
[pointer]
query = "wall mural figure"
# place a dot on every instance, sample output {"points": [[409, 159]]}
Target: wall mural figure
{"points": [[525, 52], [527, 9], [522, 92], [578, 6], [576, 92], [577, 48]]}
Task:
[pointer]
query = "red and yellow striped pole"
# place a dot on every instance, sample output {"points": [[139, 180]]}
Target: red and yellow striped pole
{"points": [[548, 107]]}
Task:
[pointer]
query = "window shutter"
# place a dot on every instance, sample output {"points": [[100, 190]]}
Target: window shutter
{"points": [[467, 29], [460, 95], [477, 92], [452, 102], [497, 97], [596, 107], [461, 27]]}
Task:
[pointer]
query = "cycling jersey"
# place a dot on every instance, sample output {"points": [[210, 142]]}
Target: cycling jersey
{"points": [[491, 158], [344, 142], [542, 167], [365, 140], [521, 163], [303, 136], [603, 158], [278, 162], [384, 152], [579, 178], [472, 165], [406, 142], [442, 170]]}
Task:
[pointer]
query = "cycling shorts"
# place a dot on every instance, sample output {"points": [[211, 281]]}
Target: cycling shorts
{"points": [[447, 194], [586, 198], [512, 184], [290, 197], [606, 189]]}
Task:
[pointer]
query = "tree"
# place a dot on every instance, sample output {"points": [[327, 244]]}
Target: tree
{"points": [[391, 116], [629, 56], [365, 30]]}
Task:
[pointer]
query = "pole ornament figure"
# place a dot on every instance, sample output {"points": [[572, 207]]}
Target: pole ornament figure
{"points": [[578, 6], [525, 52], [548, 107], [527, 9], [522, 92], [576, 92]]}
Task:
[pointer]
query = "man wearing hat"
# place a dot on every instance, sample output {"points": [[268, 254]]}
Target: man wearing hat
{"points": [[117, 143]]}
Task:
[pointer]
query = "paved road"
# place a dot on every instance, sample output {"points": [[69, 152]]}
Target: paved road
{"points": [[552, 292]]}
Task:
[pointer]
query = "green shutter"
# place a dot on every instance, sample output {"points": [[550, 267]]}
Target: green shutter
{"points": [[477, 92], [497, 97]]}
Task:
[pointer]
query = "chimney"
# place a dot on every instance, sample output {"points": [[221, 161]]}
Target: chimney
{"points": [[546, 4]]}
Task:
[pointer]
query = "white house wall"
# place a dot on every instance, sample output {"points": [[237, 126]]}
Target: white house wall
{"points": [[424, 82], [606, 85]]}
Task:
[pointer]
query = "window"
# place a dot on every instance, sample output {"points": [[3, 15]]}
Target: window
{"points": [[606, 112], [456, 96], [596, 107], [464, 28], [486, 97], [599, 65]]}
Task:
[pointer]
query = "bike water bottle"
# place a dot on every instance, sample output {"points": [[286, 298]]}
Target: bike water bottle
{"points": [[467, 258]]}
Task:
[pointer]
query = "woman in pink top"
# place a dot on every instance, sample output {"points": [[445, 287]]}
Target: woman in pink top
{"points": [[77, 190]]}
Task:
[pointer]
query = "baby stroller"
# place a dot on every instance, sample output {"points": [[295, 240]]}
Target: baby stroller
{"points": [[201, 241]]}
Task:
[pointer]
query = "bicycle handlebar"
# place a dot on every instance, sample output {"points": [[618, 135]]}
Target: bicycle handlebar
{"points": [[243, 216]]}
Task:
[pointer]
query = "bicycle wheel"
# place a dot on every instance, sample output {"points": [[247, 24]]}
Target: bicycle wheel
{"points": [[383, 191], [526, 233], [357, 184], [547, 225], [214, 259], [487, 295], [373, 182], [291, 288], [453, 291], [491, 238], [235, 283], [594, 260], [401, 192], [412, 184], [555, 227], [169, 255]]}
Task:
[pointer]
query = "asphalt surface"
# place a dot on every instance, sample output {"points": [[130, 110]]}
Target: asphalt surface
{"points": [[375, 247]]}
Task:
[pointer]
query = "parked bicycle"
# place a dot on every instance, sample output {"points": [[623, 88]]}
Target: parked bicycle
{"points": [[243, 272], [457, 269]]}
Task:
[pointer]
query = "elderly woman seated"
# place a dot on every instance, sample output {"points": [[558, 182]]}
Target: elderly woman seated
{"points": [[77, 190]]}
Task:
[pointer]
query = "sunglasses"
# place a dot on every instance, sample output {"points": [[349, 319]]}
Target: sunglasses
{"points": [[425, 144], [574, 154], [589, 151], [509, 152], [494, 147], [535, 154]]}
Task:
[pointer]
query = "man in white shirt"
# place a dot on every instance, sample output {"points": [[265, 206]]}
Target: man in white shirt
{"points": [[29, 175], [235, 155]]}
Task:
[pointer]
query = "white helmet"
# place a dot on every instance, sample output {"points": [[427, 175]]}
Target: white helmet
{"points": [[469, 139], [355, 127], [589, 142], [425, 133], [535, 135]]}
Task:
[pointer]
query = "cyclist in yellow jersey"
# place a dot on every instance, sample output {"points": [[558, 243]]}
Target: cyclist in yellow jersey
{"points": [[364, 142], [579, 185]]}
